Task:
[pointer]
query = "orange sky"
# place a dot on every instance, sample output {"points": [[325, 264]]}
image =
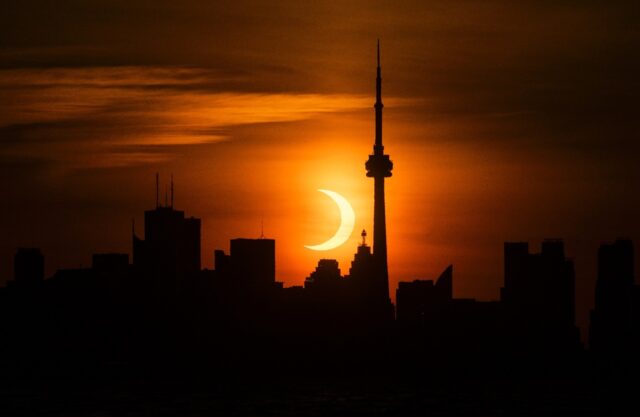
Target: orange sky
{"points": [[504, 121]]}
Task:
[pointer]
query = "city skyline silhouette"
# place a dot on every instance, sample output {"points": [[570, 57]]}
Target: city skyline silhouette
{"points": [[537, 305], [498, 138], [161, 167], [376, 168]]}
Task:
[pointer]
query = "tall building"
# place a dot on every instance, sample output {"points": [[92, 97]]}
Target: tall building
{"points": [[326, 279], [379, 167], [611, 324], [439, 326], [422, 300], [28, 266], [253, 261], [221, 263], [362, 268], [539, 297], [171, 244]]}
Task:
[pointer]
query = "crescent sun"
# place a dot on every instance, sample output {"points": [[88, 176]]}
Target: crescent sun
{"points": [[348, 220]]}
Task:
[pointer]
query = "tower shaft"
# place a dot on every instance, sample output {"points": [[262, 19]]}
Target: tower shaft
{"points": [[380, 232]]}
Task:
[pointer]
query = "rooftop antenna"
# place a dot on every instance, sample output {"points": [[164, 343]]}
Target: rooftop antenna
{"points": [[262, 227], [157, 190], [171, 190]]}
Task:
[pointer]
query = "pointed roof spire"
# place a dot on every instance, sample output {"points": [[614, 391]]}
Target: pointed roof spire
{"points": [[378, 52]]}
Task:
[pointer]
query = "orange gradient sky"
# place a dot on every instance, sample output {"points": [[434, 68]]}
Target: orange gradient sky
{"points": [[504, 121]]}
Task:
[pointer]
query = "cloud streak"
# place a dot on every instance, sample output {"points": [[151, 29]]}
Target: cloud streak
{"points": [[114, 116]]}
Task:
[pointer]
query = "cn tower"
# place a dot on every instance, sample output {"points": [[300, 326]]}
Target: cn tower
{"points": [[379, 167]]}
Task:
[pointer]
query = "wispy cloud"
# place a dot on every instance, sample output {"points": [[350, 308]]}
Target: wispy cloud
{"points": [[116, 116]]}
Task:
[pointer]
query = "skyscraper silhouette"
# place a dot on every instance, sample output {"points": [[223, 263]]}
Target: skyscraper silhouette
{"points": [[362, 267], [422, 300], [170, 250], [612, 317], [253, 261], [539, 298], [379, 167]]}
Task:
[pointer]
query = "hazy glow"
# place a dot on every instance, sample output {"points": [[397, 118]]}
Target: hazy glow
{"points": [[348, 220]]}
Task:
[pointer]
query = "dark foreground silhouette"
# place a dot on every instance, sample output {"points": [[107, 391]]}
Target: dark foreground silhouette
{"points": [[160, 336]]}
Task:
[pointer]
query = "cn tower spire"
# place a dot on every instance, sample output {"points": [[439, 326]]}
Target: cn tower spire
{"points": [[379, 167], [378, 148]]}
